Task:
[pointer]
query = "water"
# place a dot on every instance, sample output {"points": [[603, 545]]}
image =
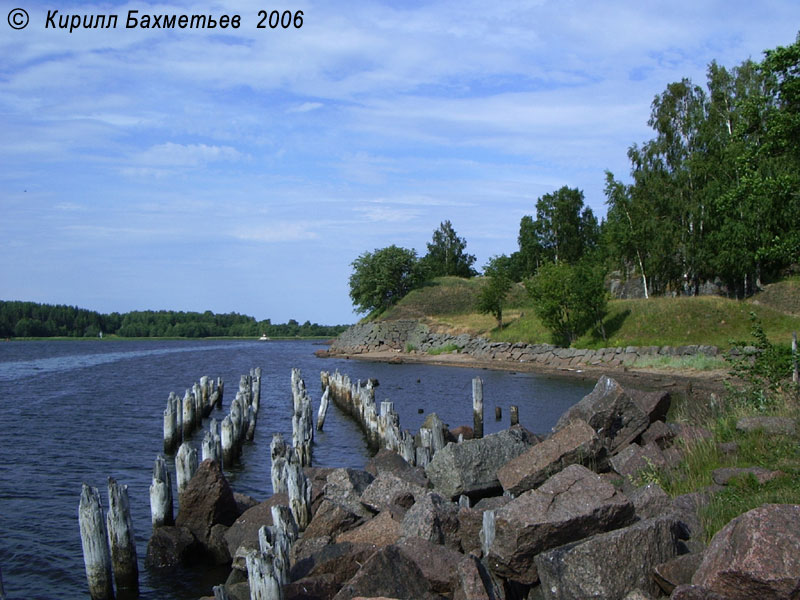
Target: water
{"points": [[80, 411]]}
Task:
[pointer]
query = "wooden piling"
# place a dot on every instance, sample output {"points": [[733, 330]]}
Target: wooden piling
{"points": [[185, 466], [251, 423], [514, 414], [172, 433], [161, 495], [299, 490], [323, 408], [220, 391], [278, 452], [94, 540], [264, 585], [220, 593], [121, 539], [256, 374], [302, 420], [188, 415], [795, 369], [226, 435], [477, 407], [281, 548]]}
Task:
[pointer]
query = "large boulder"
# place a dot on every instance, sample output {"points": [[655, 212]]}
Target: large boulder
{"points": [[388, 461], [345, 486], [634, 458], [435, 519], [576, 443], [474, 582], [437, 563], [755, 555], [387, 573], [171, 546], [244, 531], [611, 412], [207, 501], [471, 467], [383, 492], [381, 530], [341, 560], [331, 519], [470, 522], [569, 506], [609, 565]]}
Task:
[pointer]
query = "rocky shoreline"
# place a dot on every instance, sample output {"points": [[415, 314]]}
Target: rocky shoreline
{"points": [[510, 516]]}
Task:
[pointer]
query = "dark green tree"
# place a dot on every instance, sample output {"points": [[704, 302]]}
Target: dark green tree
{"points": [[569, 299], [382, 277], [447, 254], [498, 282]]}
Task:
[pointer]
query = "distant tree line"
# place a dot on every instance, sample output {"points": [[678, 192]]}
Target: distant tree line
{"points": [[30, 319], [714, 196]]}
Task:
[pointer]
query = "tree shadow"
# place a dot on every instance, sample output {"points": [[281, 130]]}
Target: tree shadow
{"points": [[612, 325]]}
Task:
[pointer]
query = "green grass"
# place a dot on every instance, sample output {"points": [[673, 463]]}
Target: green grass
{"points": [[447, 303], [695, 362], [446, 349], [755, 449]]}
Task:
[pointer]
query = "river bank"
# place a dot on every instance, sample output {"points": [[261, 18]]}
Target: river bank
{"points": [[409, 341]]}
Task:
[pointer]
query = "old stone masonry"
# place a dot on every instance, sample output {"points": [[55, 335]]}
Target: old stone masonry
{"points": [[413, 336]]}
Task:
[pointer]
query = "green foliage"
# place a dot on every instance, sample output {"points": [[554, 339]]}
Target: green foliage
{"points": [[492, 296], [447, 255], [568, 299], [383, 277], [446, 349], [28, 319], [564, 231], [765, 372]]}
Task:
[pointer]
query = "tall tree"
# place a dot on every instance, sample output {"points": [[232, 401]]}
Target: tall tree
{"points": [[383, 277], [447, 254], [564, 230], [492, 296]]}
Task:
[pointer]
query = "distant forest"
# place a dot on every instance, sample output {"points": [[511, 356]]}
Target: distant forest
{"points": [[30, 319]]}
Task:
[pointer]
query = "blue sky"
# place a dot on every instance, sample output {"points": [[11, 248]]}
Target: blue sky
{"points": [[244, 170]]}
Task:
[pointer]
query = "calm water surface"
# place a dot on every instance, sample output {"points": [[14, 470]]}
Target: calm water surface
{"points": [[81, 411]]}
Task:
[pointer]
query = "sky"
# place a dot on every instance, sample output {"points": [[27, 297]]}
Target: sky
{"points": [[243, 170]]}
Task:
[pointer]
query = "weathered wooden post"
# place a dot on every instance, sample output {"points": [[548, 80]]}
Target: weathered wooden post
{"points": [[161, 495], [172, 434], [302, 420], [252, 414], [256, 388], [185, 466], [278, 452], [299, 490], [488, 531], [264, 585], [94, 540], [122, 540], [188, 415], [323, 408], [209, 449], [226, 435], [220, 593], [477, 407], [220, 391], [514, 415], [795, 371]]}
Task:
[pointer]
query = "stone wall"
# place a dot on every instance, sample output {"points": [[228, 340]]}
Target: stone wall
{"points": [[413, 336]]}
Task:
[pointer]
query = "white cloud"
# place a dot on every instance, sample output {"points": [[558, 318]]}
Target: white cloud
{"points": [[275, 232]]}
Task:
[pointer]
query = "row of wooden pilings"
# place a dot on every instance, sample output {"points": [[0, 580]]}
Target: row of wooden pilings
{"points": [[268, 567], [109, 549], [382, 429]]}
